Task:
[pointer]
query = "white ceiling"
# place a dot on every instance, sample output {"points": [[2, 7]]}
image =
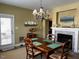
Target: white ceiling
{"points": [[32, 4]]}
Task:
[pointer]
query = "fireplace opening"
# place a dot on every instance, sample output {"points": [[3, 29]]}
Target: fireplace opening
{"points": [[64, 38]]}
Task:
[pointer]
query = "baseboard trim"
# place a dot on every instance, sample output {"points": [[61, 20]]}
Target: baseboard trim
{"points": [[78, 51], [19, 44]]}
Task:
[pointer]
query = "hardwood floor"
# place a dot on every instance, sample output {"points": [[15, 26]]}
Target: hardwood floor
{"points": [[19, 53], [74, 56]]}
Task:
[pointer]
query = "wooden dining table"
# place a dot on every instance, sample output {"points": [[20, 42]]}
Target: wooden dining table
{"points": [[44, 47]]}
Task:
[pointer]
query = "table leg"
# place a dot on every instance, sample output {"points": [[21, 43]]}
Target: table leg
{"points": [[47, 56]]}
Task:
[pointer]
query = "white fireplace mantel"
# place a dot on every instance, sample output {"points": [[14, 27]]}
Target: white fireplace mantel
{"points": [[72, 31]]}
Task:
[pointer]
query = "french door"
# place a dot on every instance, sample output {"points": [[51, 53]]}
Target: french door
{"points": [[6, 32]]}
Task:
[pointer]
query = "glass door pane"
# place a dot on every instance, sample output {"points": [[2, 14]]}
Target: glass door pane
{"points": [[6, 37]]}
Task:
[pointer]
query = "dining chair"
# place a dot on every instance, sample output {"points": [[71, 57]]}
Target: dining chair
{"points": [[30, 50], [51, 37], [63, 54], [31, 35]]}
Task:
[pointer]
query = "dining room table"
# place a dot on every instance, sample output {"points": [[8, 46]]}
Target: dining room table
{"points": [[46, 46]]}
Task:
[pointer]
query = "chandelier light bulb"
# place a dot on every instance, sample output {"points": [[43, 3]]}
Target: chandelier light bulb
{"points": [[35, 12], [47, 12], [41, 10]]}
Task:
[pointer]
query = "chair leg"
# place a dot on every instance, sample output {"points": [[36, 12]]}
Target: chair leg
{"points": [[41, 56], [66, 56], [29, 57], [26, 54], [32, 57]]}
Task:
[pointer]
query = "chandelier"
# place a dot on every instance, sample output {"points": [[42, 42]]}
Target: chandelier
{"points": [[41, 14]]}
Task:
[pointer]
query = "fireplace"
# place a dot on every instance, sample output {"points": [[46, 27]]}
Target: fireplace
{"points": [[71, 34], [64, 38]]}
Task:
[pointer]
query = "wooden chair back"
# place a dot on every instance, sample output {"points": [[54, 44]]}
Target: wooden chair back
{"points": [[29, 47], [31, 51], [51, 37], [65, 49]]}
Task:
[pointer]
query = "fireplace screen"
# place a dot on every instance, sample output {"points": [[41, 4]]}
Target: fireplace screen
{"points": [[63, 37]]}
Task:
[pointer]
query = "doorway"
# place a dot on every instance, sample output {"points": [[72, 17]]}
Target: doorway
{"points": [[6, 32], [48, 28], [50, 25]]}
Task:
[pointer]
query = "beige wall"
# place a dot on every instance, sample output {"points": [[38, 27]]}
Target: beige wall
{"points": [[21, 15], [64, 8]]}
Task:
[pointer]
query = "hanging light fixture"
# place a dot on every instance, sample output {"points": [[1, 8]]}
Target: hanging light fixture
{"points": [[41, 14]]}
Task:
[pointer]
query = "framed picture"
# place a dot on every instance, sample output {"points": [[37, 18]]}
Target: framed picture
{"points": [[66, 18]]}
